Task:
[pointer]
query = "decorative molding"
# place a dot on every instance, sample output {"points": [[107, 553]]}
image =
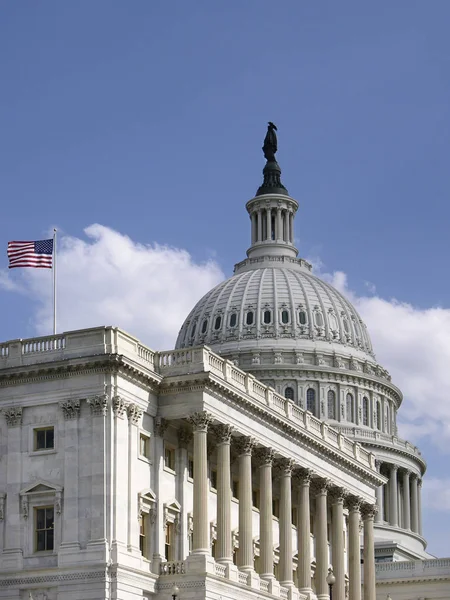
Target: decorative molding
{"points": [[303, 476], [368, 511], [353, 503], [70, 408], [119, 406], [284, 467], [320, 486], [36, 579], [222, 433], [134, 413], [159, 426], [98, 404], [13, 416], [25, 508], [337, 495], [244, 445], [200, 421], [2, 506], [264, 456]]}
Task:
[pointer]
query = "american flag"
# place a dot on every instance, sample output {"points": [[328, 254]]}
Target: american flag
{"points": [[38, 255]]}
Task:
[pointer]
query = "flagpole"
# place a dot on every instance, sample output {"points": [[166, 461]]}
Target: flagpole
{"points": [[54, 281]]}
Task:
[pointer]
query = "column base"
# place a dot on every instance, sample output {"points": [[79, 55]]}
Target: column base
{"points": [[200, 563]]}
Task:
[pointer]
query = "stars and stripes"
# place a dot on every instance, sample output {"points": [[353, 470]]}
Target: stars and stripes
{"points": [[38, 254]]}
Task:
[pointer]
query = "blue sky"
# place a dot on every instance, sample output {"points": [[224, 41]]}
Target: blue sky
{"points": [[148, 118]]}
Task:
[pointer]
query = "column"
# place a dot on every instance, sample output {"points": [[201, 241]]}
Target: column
{"points": [[253, 227], [286, 225], [419, 506], [245, 555], [14, 514], [337, 542], [414, 504], [354, 552], [279, 235], [406, 500], [224, 552], [320, 531], [368, 514], [184, 440], [379, 493], [71, 412], [393, 499], [134, 414], [304, 531], [259, 225], [157, 515], [265, 457], [200, 422], [291, 227], [285, 466], [268, 224]]}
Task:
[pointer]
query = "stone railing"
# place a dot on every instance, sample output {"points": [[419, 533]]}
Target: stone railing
{"points": [[367, 435], [177, 567], [201, 359], [417, 568]]}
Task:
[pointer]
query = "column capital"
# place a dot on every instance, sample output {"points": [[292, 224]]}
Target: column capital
{"points": [[159, 426], [378, 464], [320, 486], [70, 408], [200, 420], [337, 495], [303, 476], [368, 511], [134, 413], [264, 456], [245, 445], [419, 482], [406, 473], [284, 467], [354, 503], [223, 433], [184, 437], [98, 404], [394, 467], [119, 406], [13, 416]]}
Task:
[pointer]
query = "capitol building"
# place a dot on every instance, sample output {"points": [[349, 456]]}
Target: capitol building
{"points": [[257, 460]]}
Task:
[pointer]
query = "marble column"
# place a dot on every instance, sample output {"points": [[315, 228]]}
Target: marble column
{"points": [[321, 487], [224, 553], [253, 222], [286, 225], [285, 467], [184, 441], [337, 496], [393, 499], [419, 506], [368, 513], [265, 458], [303, 477], [379, 493], [354, 551], [414, 505], [244, 447], [200, 422], [291, 227], [269, 224], [71, 412], [406, 500], [279, 235], [259, 229], [14, 515], [134, 414], [98, 533]]}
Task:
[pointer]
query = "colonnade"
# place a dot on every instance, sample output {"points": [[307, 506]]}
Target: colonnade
{"points": [[272, 224], [399, 501], [295, 484]]}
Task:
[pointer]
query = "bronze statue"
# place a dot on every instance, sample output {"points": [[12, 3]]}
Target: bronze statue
{"points": [[270, 142]]}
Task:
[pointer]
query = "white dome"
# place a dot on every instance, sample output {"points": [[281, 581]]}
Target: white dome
{"points": [[281, 308]]}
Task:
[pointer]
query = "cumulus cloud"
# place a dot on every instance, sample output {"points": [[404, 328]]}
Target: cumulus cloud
{"points": [[414, 345], [108, 279], [436, 494]]}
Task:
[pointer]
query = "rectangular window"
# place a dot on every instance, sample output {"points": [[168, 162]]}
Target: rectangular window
{"points": [[213, 479], [191, 467], [44, 438], [235, 488], [44, 528], [143, 535], [144, 445], [169, 457], [169, 542]]}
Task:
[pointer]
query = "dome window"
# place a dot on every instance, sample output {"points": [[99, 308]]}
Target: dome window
{"points": [[249, 318], [267, 317], [289, 393], [204, 326], [331, 397], [311, 400], [318, 319], [193, 329], [346, 327], [285, 317], [379, 416], [233, 320], [217, 322], [302, 317], [333, 321], [365, 411]]}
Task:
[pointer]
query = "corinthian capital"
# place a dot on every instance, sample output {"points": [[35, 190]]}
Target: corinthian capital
{"points": [[368, 511], [303, 476], [320, 486], [13, 416], [70, 408], [354, 503], [264, 456], [337, 495], [200, 421], [222, 433], [119, 406], [285, 466], [245, 445], [134, 413], [98, 404]]}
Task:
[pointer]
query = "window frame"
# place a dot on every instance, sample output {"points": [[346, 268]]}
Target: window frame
{"points": [[36, 531], [170, 448], [40, 494], [288, 312], [34, 428], [311, 389], [144, 434]]}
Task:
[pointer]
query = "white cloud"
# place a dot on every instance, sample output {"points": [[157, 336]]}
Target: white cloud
{"points": [[414, 345], [109, 279], [436, 494]]}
